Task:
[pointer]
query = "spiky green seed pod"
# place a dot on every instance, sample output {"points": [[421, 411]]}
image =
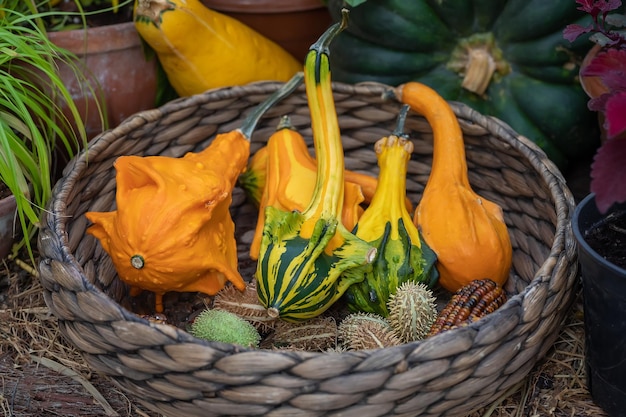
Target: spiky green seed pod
{"points": [[223, 326], [360, 331], [412, 311]]}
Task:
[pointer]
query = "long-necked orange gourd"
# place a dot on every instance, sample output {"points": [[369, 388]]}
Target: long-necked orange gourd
{"points": [[172, 229], [200, 48], [465, 230]]}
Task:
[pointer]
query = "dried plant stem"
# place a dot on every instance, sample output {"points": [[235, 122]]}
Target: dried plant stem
{"points": [[490, 410], [26, 267], [64, 370]]}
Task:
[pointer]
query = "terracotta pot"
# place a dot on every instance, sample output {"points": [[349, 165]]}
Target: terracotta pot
{"points": [[293, 24], [118, 73], [7, 216]]}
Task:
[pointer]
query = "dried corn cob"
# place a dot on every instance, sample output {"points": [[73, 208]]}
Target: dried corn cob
{"points": [[470, 303]]}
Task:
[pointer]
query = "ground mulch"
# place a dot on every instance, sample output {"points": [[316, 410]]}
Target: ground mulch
{"points": [[40, 373]]}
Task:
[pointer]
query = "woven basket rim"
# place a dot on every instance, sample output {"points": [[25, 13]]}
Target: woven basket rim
{"points": [[535, 157]]}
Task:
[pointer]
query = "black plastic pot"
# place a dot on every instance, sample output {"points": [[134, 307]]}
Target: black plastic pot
{"points": [[604, 302]]}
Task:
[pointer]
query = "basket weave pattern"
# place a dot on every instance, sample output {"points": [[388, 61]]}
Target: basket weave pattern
{"points": [[171, 372]]}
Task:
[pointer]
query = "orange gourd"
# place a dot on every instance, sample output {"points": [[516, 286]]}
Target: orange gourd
{"points": [[172, 229], [465, 230], [290, 176]]}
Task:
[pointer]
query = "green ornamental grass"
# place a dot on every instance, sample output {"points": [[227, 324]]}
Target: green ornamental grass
{"points": [[32, 123]]}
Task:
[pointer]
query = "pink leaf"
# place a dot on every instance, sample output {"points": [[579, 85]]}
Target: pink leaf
{"points": [[573, 31], [585, 5], [610, 5], [608, 174], [615, 111], [595, 7], [598, 103]]}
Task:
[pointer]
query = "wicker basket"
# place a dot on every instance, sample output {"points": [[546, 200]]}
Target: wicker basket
{"points": [[171, 372]]}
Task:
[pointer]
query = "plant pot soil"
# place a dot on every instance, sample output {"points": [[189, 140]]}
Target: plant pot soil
{"points": [[604, 301], [293, 24], [609, 239]]}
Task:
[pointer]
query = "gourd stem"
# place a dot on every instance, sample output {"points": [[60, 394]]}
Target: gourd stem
{"points": [[252, 119], [399, 129], [322, 45], [479, 70], [285, 123]]}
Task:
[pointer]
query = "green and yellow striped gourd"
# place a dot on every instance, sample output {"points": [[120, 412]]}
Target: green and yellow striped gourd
{"points": [[303, 255]]}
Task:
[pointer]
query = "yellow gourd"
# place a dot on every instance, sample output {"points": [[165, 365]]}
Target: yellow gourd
{"points": [[201, 49], [172, 229], [253, 179], [465, 230], [387, 225]]}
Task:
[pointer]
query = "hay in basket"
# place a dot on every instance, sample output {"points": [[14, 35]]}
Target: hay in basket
{"points": [[171, 372]]}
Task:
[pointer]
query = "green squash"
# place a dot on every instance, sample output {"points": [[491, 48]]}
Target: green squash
{"points": [[522, 70]]}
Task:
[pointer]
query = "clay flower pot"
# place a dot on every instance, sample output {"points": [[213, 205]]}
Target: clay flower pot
{"points": [[7, 216], [119, 74], [293, 24]]}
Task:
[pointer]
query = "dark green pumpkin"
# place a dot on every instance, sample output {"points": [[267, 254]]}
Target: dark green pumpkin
{"points": [[534, 87]]}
